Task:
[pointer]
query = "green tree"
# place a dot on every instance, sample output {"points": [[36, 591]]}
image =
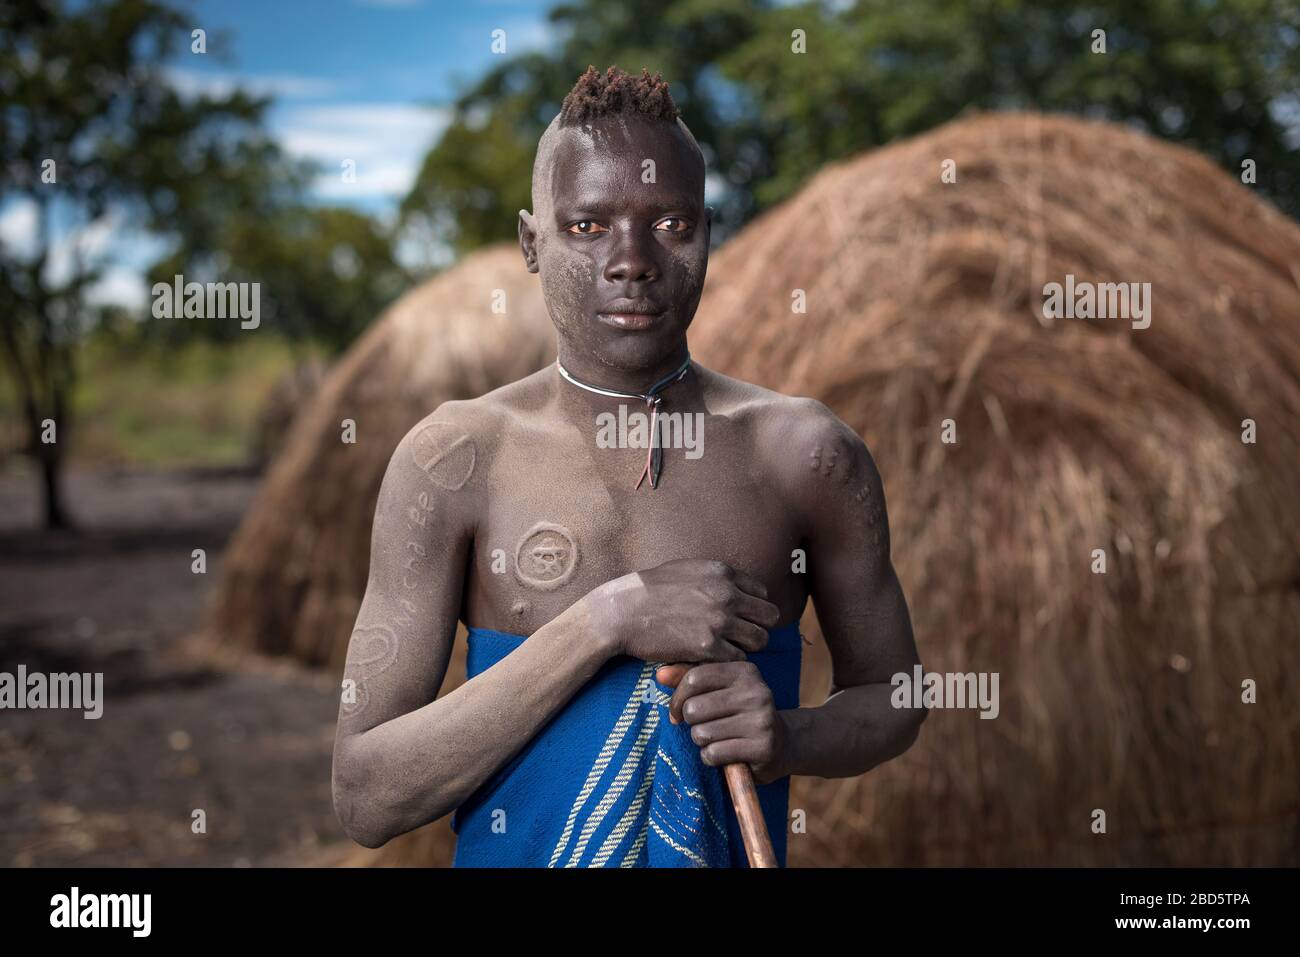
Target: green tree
{"points": [[1222, 77], [1218, 76], [323, 273], [92, 134]]}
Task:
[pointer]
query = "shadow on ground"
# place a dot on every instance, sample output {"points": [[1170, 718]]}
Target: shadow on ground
{"points": [[247, 745]]}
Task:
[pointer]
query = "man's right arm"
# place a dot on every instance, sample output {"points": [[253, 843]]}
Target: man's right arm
{"points": [[402, 758]]}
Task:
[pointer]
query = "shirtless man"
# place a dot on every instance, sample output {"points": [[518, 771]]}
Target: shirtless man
{"points": [[504, 512]]}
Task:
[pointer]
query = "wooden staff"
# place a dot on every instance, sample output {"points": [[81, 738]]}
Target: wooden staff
{"points": [[744, 797]]}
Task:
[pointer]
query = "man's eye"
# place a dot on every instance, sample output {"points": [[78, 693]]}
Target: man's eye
{"points": [[586, 227], [673, 224]]}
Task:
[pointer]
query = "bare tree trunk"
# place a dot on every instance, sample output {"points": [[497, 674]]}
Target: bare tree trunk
{"points": [[50, 462], [56, 388], [42, 364]]}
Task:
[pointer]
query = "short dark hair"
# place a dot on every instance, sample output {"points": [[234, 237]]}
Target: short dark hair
{"points": [[614, 92]]}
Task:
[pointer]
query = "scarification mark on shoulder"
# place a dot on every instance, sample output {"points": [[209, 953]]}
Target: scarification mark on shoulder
{"points": [[446, 454], [834, 460]]}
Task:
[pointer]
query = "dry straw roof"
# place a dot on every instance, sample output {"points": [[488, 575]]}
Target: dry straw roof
{"points": [[1120, 692]]}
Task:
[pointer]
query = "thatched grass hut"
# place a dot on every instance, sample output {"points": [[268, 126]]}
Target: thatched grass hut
{"points": [[290, 394], [1120, 691]]}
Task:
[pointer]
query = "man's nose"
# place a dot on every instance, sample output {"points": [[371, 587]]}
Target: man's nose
{"points": [[630, 260]]}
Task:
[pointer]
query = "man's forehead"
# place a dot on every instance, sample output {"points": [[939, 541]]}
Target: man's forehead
{"points": [[588, 161]]}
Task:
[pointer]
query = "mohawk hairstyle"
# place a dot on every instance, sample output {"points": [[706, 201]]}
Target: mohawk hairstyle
{"points": [[597, 94]]}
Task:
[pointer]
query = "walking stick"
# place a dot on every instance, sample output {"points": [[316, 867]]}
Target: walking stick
{"points": [[744, 797]]}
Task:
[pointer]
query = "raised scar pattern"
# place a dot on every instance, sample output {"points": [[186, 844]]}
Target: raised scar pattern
{"points": [[444, 453], [408, 618], [546, 556], [823, 462], [863, 496], [826, 462], [376, 653]]}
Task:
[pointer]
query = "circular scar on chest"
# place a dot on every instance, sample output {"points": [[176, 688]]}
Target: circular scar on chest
{"points": [[445, 454], [546, 557]]}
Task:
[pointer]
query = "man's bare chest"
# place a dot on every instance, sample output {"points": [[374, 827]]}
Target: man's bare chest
{"points": [[559, 525]]}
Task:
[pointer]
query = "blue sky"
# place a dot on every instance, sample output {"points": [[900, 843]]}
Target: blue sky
{"points": [[361, 80], [365, 80]]}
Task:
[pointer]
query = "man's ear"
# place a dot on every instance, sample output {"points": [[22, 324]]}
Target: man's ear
{"points": [[528, 239], [708, 226]]}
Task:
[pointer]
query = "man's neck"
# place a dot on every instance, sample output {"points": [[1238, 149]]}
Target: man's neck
{"points": [[580, 405], [590, 371]]}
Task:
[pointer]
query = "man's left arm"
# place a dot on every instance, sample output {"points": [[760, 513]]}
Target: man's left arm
{"points": [[862, 612], [834, 486]]}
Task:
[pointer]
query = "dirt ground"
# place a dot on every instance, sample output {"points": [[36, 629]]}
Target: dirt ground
{"points": [[248, 745]]}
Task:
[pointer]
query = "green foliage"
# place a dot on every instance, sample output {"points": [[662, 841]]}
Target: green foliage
{"points": [[1215, 76], [138, 401], [86, 85], [324, 274], [1218, 76]]}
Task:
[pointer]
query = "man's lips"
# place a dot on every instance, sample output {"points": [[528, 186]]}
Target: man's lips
{"points": [[630, 314]]}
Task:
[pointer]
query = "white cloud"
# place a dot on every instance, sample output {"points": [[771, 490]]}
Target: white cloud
{"points": [[83, 244], [384, 179], [18, 227], [526, 36], [88, 246], [386, 141], [119, 286], [193, 83], [82, 247]]}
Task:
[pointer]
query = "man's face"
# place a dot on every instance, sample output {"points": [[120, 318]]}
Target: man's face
{"points": [[622, 260]]}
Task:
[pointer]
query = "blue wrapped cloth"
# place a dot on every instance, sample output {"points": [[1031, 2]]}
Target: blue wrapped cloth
{"points": [[611, 782]]}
